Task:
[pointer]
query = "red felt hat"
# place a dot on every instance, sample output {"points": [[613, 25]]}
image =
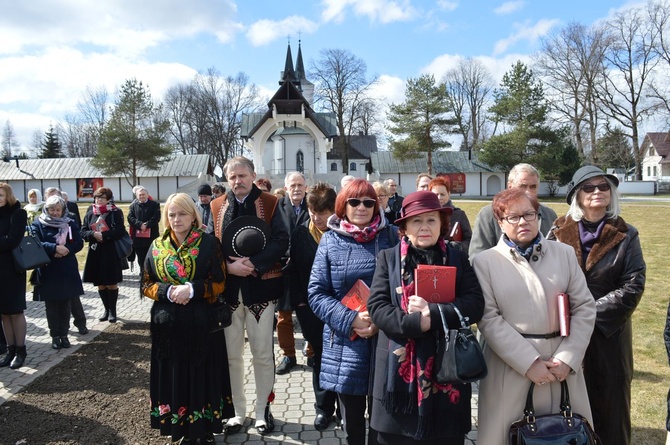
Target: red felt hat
{"points": [[421, 202]]}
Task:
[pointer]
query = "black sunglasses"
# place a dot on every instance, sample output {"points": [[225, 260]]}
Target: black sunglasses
{"points": [[590, 188], [355, 202]]}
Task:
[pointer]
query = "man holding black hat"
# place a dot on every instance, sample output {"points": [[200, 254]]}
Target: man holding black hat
{"points": [[204, 200], [253, 285]]}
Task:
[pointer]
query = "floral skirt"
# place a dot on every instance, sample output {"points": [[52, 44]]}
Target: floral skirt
{"points": [[191, 400]]}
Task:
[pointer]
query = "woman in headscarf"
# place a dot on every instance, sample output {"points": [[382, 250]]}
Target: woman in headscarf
{"points": [[60, 281], [34, 206]]}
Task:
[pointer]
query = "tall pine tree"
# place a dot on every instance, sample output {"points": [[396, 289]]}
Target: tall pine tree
{"points": [[51, 147]]}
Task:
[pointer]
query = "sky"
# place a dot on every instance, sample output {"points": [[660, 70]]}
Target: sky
{"points": [[52, 50]]}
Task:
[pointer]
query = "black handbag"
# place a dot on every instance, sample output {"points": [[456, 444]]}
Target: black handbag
{"points": [[459, 357], [30, 254], [564, 428], [221, 314], [124, 246]]}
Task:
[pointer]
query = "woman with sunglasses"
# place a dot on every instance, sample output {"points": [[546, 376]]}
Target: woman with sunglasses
{"points": [[521, 278], [347, 252], [608, 251]]}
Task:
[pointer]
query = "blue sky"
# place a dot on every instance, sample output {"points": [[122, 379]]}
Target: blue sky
{"points": [[53, 49]]}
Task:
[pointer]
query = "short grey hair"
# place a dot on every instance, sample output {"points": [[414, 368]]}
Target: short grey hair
{"points": [[295, 173], [54, 201], [613, 208], [139, 188], [236, 162], [521, 168], [387, 180]]}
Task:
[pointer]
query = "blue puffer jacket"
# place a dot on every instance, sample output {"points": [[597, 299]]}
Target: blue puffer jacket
{"points": [[339, 262]]}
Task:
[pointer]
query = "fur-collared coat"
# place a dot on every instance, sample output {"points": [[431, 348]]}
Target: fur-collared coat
{"points": [[520, 297], [615, 273]]}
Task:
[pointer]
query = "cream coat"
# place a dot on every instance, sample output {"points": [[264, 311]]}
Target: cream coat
{"points": [[520, 297]]}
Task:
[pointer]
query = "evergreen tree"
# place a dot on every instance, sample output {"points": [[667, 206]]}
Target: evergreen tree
{"points": [[613, 150], [421, 123], [520, 110], [135, 136], [51, 147]]}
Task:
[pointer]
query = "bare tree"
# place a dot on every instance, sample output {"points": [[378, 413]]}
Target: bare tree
{"points": [[570, 62], [342, 87], [9, 141], [659, 17], [630, 59], [469, 87], [184, 129]]}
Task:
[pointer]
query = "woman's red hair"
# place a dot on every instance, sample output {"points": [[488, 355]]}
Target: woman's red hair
{"points": [[357, 188], [504, 200], [440, 180]]}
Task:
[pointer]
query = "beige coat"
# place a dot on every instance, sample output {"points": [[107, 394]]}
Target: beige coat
{"points": [[520, 297]]}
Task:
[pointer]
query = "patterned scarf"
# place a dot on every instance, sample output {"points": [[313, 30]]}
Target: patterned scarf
{"points": [[316, 232], [176, 265], [62, 224], [528, 251], [359, 235], [410, 388], [100, 209]]}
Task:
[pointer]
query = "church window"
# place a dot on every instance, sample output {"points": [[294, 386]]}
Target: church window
{"points": [[352, 167], [333, 166], [300, 161]]}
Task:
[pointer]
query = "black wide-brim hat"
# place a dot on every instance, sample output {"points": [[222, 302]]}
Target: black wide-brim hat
{"points": [[584, 174], [245, 236]]}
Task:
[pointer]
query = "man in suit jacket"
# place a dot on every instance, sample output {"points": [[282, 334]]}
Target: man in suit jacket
{"points": [[395, 200], [294, 212], [253, 284]]}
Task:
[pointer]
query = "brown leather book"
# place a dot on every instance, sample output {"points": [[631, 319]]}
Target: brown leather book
{"points": [[435, 284]]}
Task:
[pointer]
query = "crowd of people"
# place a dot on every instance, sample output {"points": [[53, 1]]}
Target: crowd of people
{"points": [[264, 254]]}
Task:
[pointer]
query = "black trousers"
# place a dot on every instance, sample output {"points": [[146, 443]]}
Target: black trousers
{"points": [[353, 409], [77, 310], [58, 317], [312, 330]]}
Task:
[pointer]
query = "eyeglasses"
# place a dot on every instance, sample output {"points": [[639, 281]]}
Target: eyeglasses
{"points": [[355, 202], [590, 188], [382, 196], [514, 219]]}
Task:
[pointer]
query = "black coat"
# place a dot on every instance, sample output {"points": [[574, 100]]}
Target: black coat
{"points": [[13, 220], [60, 280], [103, 266], [73, 209], [615, 273], [393, 322], [303, 251], [147, 212], [291, 221]]}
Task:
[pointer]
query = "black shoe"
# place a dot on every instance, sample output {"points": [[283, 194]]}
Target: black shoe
{"points": [[209, 438], [64, 342], [19, 358], [322, 421], [55, 343], [83, 330], [310, 362], [232, 429], [286, 365], [105, 316], [269, 425], [3, 348], [112, 316]]}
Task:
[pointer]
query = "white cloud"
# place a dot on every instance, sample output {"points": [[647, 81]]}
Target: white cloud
{"points": [[525, 31], [266, 31], [123, 26], [447, 5], [508, 7], [382, 11], [389, 89]]}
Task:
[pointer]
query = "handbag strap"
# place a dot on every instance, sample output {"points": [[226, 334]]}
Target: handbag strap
{"points": [[566, 408]]}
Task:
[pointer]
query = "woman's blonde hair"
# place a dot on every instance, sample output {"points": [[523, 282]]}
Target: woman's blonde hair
{"points": [[183, 202], [9, 193]]}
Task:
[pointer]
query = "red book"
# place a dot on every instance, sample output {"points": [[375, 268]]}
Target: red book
{"points": [[143, 233], [435, 284], [357, 299], [564, 314], [99, 225], [456, 233]]}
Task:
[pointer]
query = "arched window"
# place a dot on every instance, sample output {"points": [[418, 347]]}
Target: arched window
{"points": [[352, 167], [300, 161], [333, 167]]}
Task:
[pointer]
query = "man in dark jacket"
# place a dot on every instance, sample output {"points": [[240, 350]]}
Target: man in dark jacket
{"points": [[293, 209], [253, 284], [395, 200], [203, 204], [144, 214]]}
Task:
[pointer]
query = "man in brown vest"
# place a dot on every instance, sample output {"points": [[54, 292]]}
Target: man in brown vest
{"points": [[255, 282]]}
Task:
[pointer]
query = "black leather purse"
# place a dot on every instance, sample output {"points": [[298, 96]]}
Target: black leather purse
{"points": [[459, 357], [30, 254], [221, 314], [561, 428]]}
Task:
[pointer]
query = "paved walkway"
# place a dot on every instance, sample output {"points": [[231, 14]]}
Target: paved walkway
{"points": [[293, 407]]}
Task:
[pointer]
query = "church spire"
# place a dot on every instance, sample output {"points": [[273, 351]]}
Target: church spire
{"points": [[289, 73], [300, 66]]}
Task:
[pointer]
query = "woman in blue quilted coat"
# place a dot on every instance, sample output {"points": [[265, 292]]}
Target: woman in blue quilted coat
{"points": [[346, 253]]}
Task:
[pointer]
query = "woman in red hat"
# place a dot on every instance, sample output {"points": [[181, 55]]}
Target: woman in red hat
{"points": [[409, 406]]}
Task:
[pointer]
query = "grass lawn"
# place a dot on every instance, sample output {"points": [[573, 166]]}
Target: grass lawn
{"points": [[652, 373]]}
